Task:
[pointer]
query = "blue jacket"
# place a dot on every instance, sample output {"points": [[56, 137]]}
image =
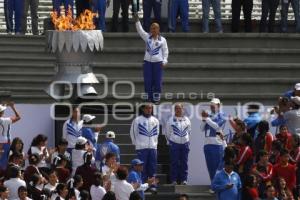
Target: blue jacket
{"points": [[220, 181], [289, 94], [107, 147], [89, 135], [219, 119]]}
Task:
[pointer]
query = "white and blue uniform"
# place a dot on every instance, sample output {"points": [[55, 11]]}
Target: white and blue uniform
{"points": [[71, 131], [213, 144], [136, 177], [144, 135], [5, 123], [178, 130], [156, 55]]}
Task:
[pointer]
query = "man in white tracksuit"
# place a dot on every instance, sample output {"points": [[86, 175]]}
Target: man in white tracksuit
{"points": [[178, 130], [144, 135]]}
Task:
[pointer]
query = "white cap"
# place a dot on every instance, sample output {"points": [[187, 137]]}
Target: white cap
{"points": [[297, 86], [215, 101], [2, 108], [87, 118], [110, 134], [296, 100], [81, 140]]}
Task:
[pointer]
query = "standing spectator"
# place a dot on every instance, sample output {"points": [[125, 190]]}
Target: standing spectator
{"points": [[124, 4], [61, 149], [86, 170], [285, 170], [52, 181], [34, 4], [270, 193], [122, 189], [72, 129], [295, 159], [39, 146], [155, 59], [263, 140], [5, 136], [212, 125], [100, 8], [108, 146], [284, 137], [88, 133], [181, 7], [284, 193], [63, 173], [34, 160], [109, 196], [135, 177], [15, 160], [14, 182], [263, 171], [268, 7], [4, 193], [97, 191], [216, 5], [240, 127], [13, 9], [253, 119], [22, 193], [109, 169], [36, 187], [144, 135], [227, 183], [61, 192], [178, 132], [284, 14], [236, 11], [148, 6], [17, 146]]}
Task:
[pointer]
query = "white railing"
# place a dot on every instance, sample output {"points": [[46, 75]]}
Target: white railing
{"points": [[45, 7]]}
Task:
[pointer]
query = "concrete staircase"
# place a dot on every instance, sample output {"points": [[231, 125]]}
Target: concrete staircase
{"points": [[235, 67]]}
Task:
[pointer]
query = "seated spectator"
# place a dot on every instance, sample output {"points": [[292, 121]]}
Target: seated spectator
{"points": [[39, 146], [4, 193], [14, 182], [122, 188], [227, 183], [263, 171], [34, 159], [75, 184], [81, 148], [61, 192], [270, 193], [109, 196], [263, 140], [284, 137], [285, 170], [63, 173], [183, 197], [97, 191], [52, 181], [250, 190], [61, 149], [17, 146], [36, 187], [283, 191], [135, 196], [22, 193], [86, 170]]}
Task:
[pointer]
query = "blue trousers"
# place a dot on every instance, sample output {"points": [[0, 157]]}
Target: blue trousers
{"points": [[179, 161], [149, 157], [13, 8], [284, 13], [148, 5], [180, 7], [153, 80], [4, 156], [213, 156], [216, 5], [100, 7], [66, 3]]}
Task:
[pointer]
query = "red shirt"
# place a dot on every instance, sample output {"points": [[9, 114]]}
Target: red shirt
{"points": [[285, 139], [295, 156], [288, 173], [253, 192], [87, 173], [269, 140], [29, 171], [63, 174], [265, 173], [245, 154]]}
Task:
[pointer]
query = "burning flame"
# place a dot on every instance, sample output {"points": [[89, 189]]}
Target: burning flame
{"points": [[67, 22]]}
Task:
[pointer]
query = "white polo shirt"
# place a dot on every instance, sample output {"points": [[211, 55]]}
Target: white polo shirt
{"points": [[5, 123], [123, 189], [13, 185], [97, 192]]}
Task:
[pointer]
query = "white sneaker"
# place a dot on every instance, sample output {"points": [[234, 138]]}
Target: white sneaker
{"points": [[211, 191], [184, 183]]}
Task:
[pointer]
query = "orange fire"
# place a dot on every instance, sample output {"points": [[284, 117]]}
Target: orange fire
{"points": [[67, 22]]}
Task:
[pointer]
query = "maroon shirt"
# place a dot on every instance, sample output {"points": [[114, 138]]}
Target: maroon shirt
{"points": [[87, 173]]}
